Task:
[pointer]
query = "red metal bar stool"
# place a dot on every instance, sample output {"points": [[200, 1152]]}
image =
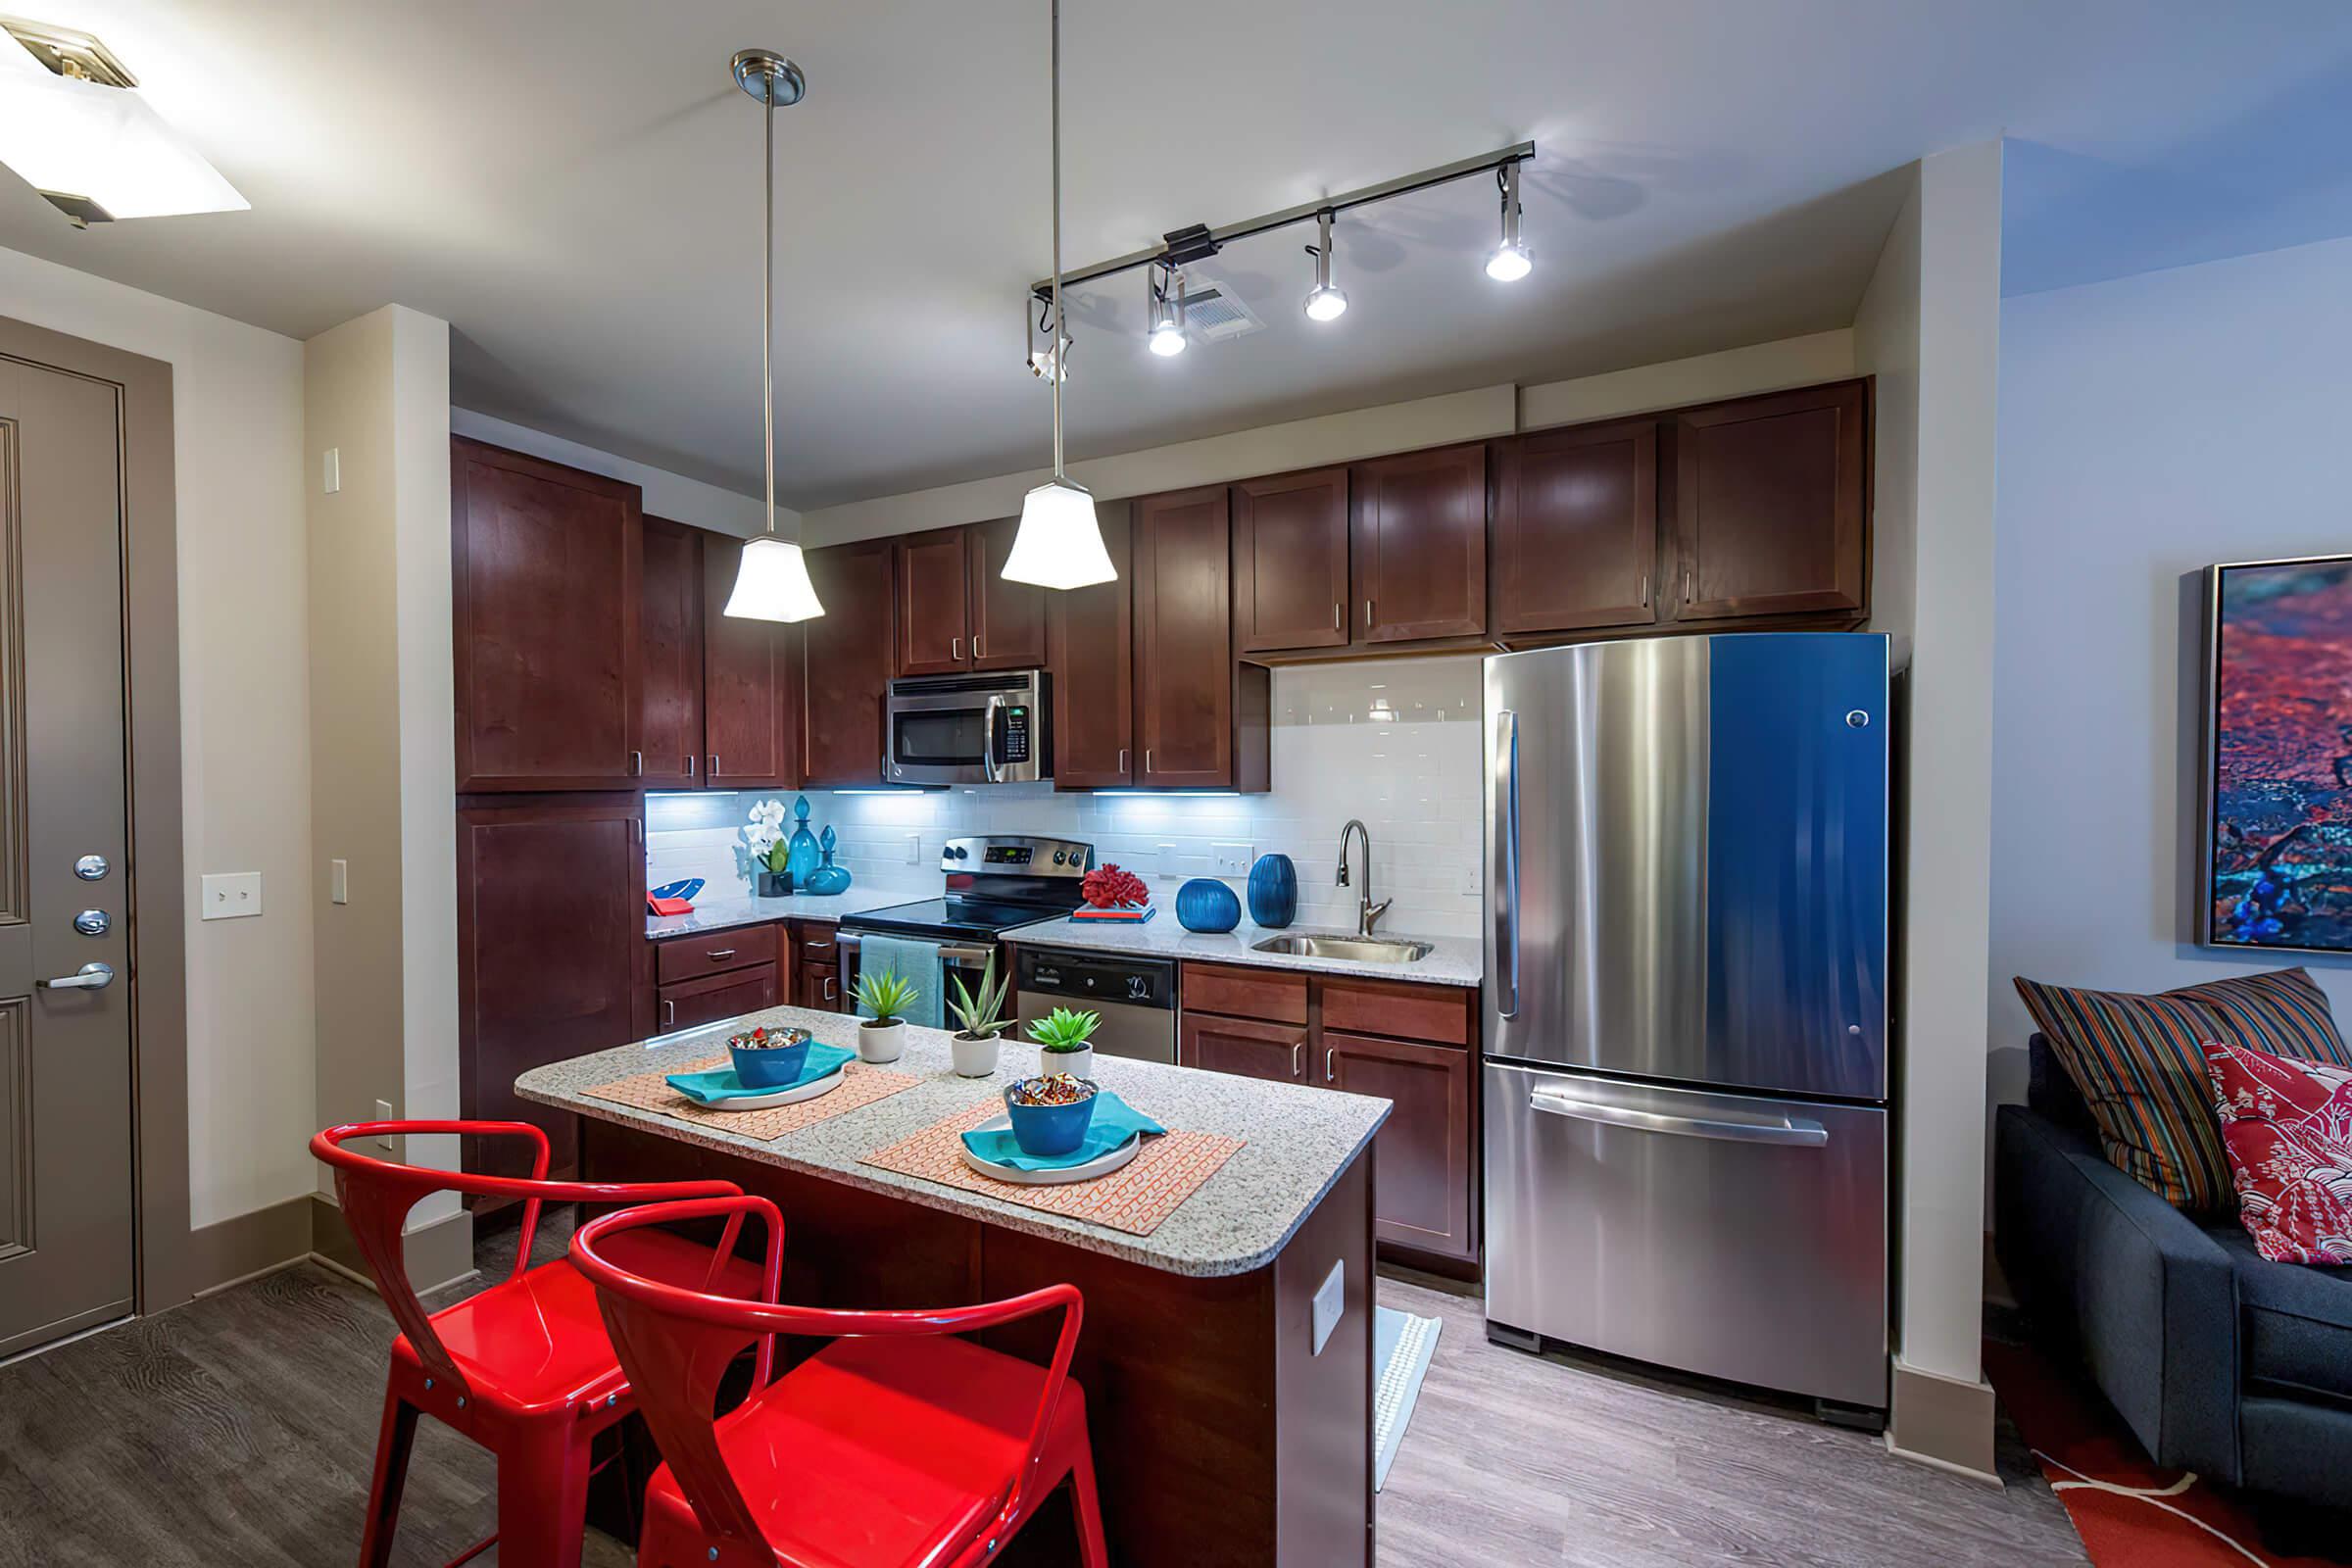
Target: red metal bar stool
{"points": [[523, 1368], [896, 1444]]}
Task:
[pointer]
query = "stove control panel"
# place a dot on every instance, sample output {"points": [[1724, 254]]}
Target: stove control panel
{"points": [[1017, 854]]}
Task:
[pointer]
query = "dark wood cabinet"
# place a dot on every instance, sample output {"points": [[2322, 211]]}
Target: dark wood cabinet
{"points": [[751, 686], [850, 651], [551, 951], [1090, 653], [1576, 529], [545, 561], [1428, 1164], [1290, 562], [815, 967], [711, 997], [1419, 545], [934, 586], [1200, 717], [671, 654], [1008, 619], [1245, 1047], [1771, 502]]}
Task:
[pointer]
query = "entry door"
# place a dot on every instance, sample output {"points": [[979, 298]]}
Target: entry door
{"points": [[65, 1194]]}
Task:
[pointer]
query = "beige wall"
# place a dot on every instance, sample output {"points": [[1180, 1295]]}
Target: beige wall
{"points": [[244, 717], [667, 495]]}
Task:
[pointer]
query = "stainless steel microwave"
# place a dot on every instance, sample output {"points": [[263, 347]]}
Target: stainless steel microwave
{"points": [[968, 729]]}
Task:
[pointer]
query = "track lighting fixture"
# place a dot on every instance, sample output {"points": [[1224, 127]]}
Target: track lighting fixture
{"points": [[1044, 361], [1324, 303], [1508, 262], [1167, 314]]}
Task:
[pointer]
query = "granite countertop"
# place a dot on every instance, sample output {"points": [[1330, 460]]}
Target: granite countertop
{"points": [[1298, 1139], [718, 912], [1451, 961]]}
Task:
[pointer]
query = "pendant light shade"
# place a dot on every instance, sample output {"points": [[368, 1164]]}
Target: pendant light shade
{"points": [[1059, 544], [772, 584]]}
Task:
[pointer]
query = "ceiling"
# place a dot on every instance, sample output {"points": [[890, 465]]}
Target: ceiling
{"points": [[573, 185]]}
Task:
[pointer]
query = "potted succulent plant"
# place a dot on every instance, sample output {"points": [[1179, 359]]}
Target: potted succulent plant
{"points": [[981, 1016], [887, 996], [1065, 1042]]}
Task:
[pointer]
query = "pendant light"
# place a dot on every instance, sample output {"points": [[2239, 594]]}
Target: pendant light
{"points": [[1059, 542], [772, 582]]}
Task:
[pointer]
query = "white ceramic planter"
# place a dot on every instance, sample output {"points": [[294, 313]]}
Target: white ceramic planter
{"points": [[879, 1041], [974, 1059], [1077, 1063]]}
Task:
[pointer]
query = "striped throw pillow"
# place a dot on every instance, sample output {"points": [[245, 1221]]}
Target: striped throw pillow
{"points": [[2140, 1061]]}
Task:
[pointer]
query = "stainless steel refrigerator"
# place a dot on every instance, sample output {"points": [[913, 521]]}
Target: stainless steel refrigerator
{"points": [[1685, 1074]]}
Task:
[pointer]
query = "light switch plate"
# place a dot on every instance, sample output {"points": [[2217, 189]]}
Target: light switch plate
{"points": [[330, 470], [1233, 859], [915, 849], [1330, 1300], [232, 895], [383, 1112], [1167, 861], [338, 881]]}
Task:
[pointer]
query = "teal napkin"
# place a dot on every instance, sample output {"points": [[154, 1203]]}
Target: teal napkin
{"points": [[1116, 1121], [717, 1086]]}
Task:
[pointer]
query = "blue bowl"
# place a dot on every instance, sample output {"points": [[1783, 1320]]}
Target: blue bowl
{"points": [[1050, 1129], [773, 1067]]}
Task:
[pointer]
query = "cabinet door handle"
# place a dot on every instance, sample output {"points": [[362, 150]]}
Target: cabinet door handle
{"points": [[1339, 617], [1330, 1066], [1688, 593], [1367, 613], [670, 1013], [976, 645], [714, 954], [713, 765], [1646, 590], [1146, 762], [958, 652], [1122, 761], [690, 767], [636, 764], [829, 993], [1299, 1059]]}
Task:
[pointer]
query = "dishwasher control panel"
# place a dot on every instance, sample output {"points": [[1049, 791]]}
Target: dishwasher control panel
{"points": [[1085, 978]]}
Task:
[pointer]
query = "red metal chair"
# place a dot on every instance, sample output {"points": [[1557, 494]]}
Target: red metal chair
{"points": [[523, 1368], [896, 1444]]}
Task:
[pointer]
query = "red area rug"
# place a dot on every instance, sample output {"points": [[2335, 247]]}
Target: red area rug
{"points": [[2129, 1513]]}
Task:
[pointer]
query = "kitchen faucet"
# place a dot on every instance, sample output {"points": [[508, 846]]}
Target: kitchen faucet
{"points": [[1367, 914]]}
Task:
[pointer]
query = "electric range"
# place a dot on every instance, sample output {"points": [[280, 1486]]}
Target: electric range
{"points": [[994, 883]]}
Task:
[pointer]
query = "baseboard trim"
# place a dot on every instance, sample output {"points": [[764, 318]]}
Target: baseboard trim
{"points": [[1943, 1422], [247, 1245], [439, 1253]]}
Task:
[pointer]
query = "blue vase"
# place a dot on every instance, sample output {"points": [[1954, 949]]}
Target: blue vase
{"points": [[1206, 905], [828, 878], [1274, 891], [801, 853]]}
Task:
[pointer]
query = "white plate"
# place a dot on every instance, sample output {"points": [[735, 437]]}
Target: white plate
{"points": [[784, 1096], [1102, 1165]]}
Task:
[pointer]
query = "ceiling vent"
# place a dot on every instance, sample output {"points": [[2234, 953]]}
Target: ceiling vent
{"points": [[1213, 315]]}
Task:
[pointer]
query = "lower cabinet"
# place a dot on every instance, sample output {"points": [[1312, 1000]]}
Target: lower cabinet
{"points": [[691, 1004], [816, 966], [1428, 1166], [1246, 1048]]}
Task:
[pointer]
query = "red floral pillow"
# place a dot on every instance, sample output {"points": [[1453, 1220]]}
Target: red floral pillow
{"points": [[2288, 1125]]}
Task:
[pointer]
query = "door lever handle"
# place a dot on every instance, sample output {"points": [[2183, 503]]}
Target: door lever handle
{"points": [[89, 977]]}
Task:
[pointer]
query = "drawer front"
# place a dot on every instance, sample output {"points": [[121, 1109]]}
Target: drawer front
{"points": [[1242, 1047], [814, 940], [689, 1004], [1439, 1014], [692, 958], [1276, 996]]}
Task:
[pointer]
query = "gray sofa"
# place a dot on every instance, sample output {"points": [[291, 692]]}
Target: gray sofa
{"points": [[2221, 1361]]}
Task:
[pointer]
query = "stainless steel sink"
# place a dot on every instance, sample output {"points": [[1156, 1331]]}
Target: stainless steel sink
{"points": [[1365, 949]]}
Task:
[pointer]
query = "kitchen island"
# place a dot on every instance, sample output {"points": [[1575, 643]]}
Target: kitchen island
{"points": [[1222, 1432]]}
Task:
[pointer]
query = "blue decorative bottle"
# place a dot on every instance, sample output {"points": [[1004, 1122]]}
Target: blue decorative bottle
{"points": [[828, 878], [1274, 891], [1206, 904], [801, 854]]}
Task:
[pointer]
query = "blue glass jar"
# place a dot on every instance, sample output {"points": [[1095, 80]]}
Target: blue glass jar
{"points": [[1206, 904], [1274, 891], [800, 853]]}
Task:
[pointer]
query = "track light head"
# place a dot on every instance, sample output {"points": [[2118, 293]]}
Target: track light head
{"points": [[1324, 303], [1509, 261], [1167, 337]]}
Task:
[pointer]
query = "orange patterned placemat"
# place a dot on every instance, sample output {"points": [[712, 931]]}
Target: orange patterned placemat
{"points": [[861, 1085], [1135, 1198]]}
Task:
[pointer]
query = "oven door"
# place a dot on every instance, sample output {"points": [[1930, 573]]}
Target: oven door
{"points": [[967, 961], [968, 729]]}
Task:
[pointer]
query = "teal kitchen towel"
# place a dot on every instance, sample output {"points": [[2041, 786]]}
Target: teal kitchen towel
{"points": [[715, 1086], [1116, 1121], [916, 961]]}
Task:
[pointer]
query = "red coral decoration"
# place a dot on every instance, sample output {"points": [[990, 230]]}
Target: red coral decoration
{"points": [[1107, 887]]}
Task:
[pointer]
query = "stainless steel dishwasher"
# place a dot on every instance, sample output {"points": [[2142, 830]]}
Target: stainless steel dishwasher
{"points": [[1136, 997]]}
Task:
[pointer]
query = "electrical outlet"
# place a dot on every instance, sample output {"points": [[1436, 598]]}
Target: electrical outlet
{"points": [[1167, 860], [338, 881], [232, 895], [1472, 882], [1331, 1300], [915, 849], [1232, 859], [383, 1112], [330, 470]]}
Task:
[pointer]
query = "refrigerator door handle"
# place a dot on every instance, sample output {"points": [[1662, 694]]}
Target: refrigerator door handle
{"points": [[1792, 1131], [1505, 809]]}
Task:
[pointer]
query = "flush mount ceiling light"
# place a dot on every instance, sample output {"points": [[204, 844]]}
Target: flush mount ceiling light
{"points": [[1059, 541], [1165, 327], [74, 126], [1508, 262], [1324, 303], [772, 581]]}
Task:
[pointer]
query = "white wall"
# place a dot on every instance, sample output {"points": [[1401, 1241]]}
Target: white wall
{"points": [[2149, 427], [244, 715]]}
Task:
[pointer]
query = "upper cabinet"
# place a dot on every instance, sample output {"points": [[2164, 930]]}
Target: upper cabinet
{"points": [[1420, 545], [1290, 562], [1200, 717], [1008, 619], [1089, 650], [851, 650], [545, 565], [1771, 503], [751, 686], [1576, 529], [956, 609], [669, 634]]}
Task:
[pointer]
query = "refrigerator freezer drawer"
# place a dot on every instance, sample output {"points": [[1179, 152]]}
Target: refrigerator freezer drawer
{"points": [[1726, 1235]]}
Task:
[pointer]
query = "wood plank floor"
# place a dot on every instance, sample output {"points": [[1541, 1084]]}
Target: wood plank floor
{"points": [[240, 1429]]}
